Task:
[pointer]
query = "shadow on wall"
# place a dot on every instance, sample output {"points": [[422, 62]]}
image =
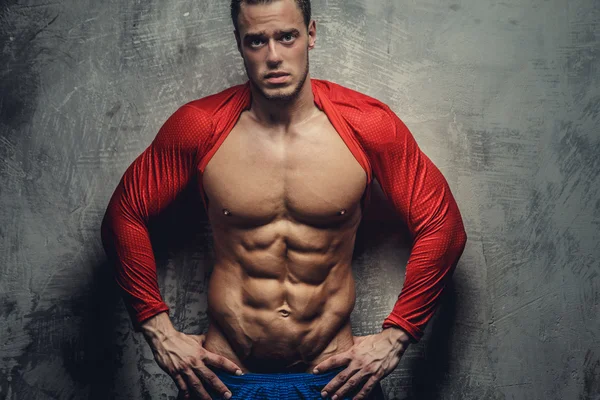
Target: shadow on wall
{"points": [[430, 372], [85, 350], [95, 357], [178, 227]]}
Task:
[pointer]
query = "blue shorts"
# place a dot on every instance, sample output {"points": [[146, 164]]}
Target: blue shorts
{"points": [[282, 386]]}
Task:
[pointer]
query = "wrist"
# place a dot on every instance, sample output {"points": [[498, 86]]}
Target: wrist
{"points": [[158, 328], [398, 335]]}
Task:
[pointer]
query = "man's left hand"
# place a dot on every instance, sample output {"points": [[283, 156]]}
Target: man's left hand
{"points": [[369, 360]]}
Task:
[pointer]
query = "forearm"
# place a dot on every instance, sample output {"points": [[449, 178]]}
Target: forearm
{"points": [[127, 244], [432, 262]]}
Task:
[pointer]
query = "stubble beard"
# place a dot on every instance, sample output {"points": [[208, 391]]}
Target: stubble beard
{"points": [[281, 98]]}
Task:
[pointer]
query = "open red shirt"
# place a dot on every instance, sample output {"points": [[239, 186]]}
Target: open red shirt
{"points": [[377, 138]]}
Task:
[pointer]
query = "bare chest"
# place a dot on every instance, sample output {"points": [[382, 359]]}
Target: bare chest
{"points": [[308, 174]]}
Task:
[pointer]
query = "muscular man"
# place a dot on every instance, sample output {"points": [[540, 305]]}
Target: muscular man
{"points": [[284, 164]]}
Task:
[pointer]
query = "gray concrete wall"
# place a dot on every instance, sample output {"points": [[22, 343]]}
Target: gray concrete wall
{"points": [[503, 96]]}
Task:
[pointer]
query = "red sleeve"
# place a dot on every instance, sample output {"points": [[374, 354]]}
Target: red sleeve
{"points": [[148, 186], [420, 194]]}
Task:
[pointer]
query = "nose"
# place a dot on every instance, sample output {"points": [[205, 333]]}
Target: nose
{"points": [[273, 57]]}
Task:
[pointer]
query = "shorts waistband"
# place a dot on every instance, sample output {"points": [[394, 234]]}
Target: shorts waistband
{"points": [[278, 377]]}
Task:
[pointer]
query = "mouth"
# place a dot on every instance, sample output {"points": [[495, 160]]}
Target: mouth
{"points": [[276, 74], [277, 77]]}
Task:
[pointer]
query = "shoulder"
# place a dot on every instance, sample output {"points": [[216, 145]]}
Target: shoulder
{"points": [[194, 121], [372, 120], [213, 104], [197, 120]]}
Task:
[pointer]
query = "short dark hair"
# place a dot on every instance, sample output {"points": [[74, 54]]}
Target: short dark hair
{"points": [[304, 6]]}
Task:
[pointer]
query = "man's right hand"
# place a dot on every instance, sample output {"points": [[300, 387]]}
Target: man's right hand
{"points": [[185, 359]]}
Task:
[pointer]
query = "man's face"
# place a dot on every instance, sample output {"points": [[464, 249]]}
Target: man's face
{"points": [[274, 43]]}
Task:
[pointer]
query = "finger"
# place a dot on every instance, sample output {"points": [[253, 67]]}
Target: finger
{"points": [[195, 385], [367, 388], [213, 380], [222, 362], [338, 360], [352, 384], [337, 382], [185, 396], [183, 389]]}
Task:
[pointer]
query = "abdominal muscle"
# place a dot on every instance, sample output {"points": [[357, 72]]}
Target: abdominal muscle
{"points": [[276, 305]]}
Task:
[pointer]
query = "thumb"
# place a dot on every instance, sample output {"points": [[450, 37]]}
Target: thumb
{"points": [[199, 338]]}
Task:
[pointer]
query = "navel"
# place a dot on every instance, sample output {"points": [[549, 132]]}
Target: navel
{"points": [[226, 212], [342, 211], [284, 313]]}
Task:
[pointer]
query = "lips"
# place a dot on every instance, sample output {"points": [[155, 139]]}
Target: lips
{"points": [[276, 75], [277, 78]]}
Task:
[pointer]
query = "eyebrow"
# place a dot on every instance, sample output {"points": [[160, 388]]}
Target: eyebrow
{"points": [[280, 32]]}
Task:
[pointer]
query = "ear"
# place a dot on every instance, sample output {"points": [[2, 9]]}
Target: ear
{"points": [[237, 39], [312, 34]]}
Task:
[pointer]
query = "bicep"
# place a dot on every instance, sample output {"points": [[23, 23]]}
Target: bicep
{"points": [[411, 182], [165, 168]]}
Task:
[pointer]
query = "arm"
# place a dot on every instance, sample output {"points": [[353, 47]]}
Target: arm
{"points": [[420, 194], [148, 186]]}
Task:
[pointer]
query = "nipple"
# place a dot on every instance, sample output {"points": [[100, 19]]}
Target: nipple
{"points": [[226, 212], [342, 211]]}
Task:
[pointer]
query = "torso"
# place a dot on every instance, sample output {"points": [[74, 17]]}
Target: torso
{"points": [[284, 209]]}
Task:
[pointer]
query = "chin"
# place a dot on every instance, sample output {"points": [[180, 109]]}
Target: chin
{"points": [[286, 93], [280, 95]]}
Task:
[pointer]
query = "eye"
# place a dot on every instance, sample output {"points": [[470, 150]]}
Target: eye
{"points": [[288, 37], [256, 42]]}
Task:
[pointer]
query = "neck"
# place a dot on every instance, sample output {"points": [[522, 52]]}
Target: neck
{"points": [[283, 113]]}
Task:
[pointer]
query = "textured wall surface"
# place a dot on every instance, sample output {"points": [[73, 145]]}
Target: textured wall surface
{"points": [[504, 96]]}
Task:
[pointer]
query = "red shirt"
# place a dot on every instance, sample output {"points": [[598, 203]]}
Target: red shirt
{"points": [[377, 138]]}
